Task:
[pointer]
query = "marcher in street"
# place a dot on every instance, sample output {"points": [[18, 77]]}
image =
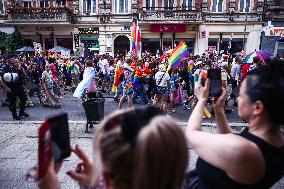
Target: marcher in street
{"points": [[47, 80], [12, 80]]}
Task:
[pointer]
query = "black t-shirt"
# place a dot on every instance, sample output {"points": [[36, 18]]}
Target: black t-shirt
{"points": [[35, 76], [19, 82]]}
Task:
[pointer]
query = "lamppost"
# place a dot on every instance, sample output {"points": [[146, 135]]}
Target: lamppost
{"points": [[245, 30]]}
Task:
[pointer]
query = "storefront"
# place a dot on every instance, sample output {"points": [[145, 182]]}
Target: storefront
{"points": [[230, 38], [47, 36], [273, 38], [89, 37], [166, 36]]}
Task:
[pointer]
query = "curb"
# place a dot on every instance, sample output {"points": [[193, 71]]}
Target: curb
{"points": [[182, 123]]}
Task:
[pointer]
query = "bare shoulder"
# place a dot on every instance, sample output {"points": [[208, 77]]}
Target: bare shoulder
{"points": [[249, 163]]}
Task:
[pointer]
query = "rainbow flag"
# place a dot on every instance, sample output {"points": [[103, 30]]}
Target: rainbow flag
{"points": [[129, 89], [118, 72], [133, 39], [177, 55]]}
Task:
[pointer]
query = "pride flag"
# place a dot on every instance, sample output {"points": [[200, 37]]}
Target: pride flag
{"points": [[177, 55], [118, 72], [135, 40]]}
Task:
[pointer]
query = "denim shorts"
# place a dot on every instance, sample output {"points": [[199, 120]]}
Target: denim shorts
{"points": [[162, 90]]}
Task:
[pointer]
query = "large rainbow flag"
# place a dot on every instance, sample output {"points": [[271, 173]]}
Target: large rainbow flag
{"points": [[177, 55], [135, 40]]}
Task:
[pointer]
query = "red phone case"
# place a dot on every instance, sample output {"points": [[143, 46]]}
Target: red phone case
{"points": [[45, 151]]}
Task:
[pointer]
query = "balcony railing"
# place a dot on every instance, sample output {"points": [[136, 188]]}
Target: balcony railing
{"points": [[169, 14], [58, 14]]}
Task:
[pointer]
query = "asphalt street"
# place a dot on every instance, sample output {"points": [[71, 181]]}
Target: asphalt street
{"points": [[19, 140], [76, 111]]}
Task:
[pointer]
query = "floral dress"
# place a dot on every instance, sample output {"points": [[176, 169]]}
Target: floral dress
{"points": [[127, 83]]}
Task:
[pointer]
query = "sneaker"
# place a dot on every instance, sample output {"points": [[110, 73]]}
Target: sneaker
{"points": [[24, 114], [186, 107], [172, 110]]}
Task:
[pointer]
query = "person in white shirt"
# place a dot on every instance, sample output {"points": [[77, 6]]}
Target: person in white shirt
{"points": [[105, 71], [163, 86], [235, 74]]}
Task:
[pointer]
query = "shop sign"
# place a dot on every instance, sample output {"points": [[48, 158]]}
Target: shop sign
{"points": [[44, 28], [203, 34], [270, 30], [171, 28], [212, 48], [89, 30]]}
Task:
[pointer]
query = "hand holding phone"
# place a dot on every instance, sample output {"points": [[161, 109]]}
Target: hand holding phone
{"points": [[54, 142], [215, 88]]}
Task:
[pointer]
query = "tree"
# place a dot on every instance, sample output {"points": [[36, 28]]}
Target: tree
{"points": [[3, 37], [13, 42]]}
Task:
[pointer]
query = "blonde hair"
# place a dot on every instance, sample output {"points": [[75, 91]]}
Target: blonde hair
{"points": [[127, 162], [161, 155]]}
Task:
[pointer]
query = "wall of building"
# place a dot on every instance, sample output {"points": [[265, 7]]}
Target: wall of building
{"points": [[213, 31]]}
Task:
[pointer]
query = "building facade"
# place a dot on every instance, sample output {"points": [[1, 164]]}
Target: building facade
{"points": [[104, 25], [272, 37]]}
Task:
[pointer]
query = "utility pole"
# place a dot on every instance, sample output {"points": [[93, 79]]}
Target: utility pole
{"points": [[245, 30]]}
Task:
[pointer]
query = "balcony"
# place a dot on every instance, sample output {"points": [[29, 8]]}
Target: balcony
{"points": [[173, 14], [38, 15]]}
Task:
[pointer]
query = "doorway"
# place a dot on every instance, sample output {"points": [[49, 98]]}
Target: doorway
{"points": [[121, 45]]}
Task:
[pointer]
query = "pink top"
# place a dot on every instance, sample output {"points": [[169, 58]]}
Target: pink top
{"points": [[92, 86], [53, 71]]}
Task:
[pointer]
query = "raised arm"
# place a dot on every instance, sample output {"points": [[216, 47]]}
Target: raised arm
{"points": [[221, 120]]}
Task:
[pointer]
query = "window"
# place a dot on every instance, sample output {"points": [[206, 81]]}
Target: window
{"points": [[89, 6], [25, 3], [218, 5], [245, 5], [150, 4], [60, 3], [44, 3], [168, 4], [121, 6], [187, 4]]}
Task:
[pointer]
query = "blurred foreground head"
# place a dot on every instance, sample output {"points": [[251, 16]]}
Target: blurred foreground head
{"points": [[142, 149]]}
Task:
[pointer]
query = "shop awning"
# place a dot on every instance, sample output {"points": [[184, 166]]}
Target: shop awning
{"points": [[88, 38]]}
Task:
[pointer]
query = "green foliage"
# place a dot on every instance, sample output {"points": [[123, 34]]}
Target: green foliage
{"points": [[13, 42], [3, 37]]}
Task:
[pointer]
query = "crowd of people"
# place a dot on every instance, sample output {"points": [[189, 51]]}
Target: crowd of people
{"points": [[125, 77], [141, 148]]}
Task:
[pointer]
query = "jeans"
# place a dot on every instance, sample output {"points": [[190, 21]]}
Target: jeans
{"points": [[35, 88], [140, 91], [119, 90]]}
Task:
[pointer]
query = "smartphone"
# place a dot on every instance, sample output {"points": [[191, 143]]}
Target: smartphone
{"points": [[54, 142], [215, 88]]}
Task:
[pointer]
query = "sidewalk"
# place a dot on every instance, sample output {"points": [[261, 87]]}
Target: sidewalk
{"points": [[18, 152]]}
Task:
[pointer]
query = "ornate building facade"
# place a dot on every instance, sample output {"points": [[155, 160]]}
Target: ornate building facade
{"points": [[272, 38], [104, 25]]}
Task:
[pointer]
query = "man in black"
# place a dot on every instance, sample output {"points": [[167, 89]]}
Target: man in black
{"points": [[35, 81], [15, 88]]}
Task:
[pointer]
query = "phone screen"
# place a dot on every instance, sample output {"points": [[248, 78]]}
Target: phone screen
{"points": [[215, 88], [54, 141]]}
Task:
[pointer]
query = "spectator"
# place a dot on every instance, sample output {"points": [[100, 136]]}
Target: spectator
{"points": [[132, 146], [253, 158]]}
